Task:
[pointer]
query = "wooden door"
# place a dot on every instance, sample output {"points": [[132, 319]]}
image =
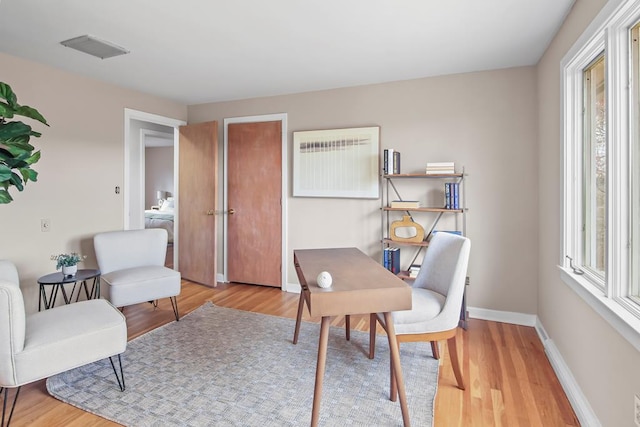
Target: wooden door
{"points": [[198, 184], [254, 176]]}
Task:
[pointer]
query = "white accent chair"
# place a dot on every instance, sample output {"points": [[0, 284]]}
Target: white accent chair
{"points": [[132, 266], [437, 295], [36, 346]]}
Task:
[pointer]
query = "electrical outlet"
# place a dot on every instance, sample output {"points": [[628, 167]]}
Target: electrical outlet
{"points": [[636, 410], [45, 225]]}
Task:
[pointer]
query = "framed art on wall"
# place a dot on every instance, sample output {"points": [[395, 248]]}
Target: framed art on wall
{"points": [[337, 163]]}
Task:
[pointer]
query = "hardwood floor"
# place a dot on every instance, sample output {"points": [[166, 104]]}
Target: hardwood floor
{"points": [[509, 379]]}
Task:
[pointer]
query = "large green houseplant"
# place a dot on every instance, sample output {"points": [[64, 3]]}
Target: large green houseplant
{"points": [[16, 154]]}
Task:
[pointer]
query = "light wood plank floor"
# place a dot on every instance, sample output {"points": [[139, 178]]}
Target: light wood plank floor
{"points": [[509, 379]]}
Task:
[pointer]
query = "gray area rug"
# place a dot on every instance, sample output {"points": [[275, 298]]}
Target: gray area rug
{"points": [[225, 367]]}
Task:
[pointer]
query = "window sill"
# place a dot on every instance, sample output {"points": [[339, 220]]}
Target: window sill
{"points": [[625, 323]]}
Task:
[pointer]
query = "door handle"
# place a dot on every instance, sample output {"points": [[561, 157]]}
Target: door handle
{"points": [[212, 212]]}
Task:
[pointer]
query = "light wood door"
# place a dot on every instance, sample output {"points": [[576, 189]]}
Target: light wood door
{"points": [[254, 177], [198, 184]]}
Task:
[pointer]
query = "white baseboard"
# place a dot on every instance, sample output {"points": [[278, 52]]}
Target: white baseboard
{"points": [[578, 401], [293, 288], [502, 316], [220, 278]]}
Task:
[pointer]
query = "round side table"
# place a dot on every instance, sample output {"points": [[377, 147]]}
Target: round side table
{"points": [[57, 282]]}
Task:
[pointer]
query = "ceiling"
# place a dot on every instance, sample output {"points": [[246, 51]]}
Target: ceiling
{"points": [[197, 51]]}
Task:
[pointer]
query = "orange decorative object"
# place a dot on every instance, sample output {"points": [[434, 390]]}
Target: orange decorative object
{"points": [[406, 223]]}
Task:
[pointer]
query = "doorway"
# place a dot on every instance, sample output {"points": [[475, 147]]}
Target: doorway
{"points": [[136, 123], [235, 245]]}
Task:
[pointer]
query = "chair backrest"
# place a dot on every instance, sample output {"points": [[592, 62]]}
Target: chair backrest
{"points": [[12, 321], [118, 250], [444, 270]]}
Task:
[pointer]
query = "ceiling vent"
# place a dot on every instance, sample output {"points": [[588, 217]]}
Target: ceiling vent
{"points": [[99, 48]]}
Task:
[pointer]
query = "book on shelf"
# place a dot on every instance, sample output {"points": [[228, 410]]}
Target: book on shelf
{"points": [[396, 162], [387, 161], [440, 168], [390, 161], [407, 204], [451, 195], [395, 260], [455, 187], [391, 259]]}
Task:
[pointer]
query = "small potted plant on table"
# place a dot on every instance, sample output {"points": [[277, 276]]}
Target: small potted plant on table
{"points": [[68, 263]]}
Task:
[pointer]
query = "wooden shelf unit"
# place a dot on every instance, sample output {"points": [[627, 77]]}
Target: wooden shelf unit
{"points": [[424, 215]]}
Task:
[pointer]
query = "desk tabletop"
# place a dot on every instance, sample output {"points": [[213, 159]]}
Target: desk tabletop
{"points": [[58, 278], [360, 284]]}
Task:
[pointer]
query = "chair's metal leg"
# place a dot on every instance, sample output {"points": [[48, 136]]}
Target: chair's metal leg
{"points": [[174, 304], [120, 384], [4, 405]]}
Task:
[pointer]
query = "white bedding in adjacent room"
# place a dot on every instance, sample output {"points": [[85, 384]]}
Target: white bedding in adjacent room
{"points": [[161, 218]]}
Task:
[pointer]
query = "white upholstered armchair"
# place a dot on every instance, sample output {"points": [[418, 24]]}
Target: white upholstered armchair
{"points": [[437, 295], [132, 266], [36, 346]]}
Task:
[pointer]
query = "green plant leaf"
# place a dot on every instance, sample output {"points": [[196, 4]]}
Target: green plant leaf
{"points": [[16, 180], [16, 154], [13, 129], [5, 173], [7, 94], [28, 174], [19, 138], [32, 113], [5, 197], [15, 162], [6, 111], [20, 148], [33, 158]]}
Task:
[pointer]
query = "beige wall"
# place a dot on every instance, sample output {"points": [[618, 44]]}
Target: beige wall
{"points": [[604, 364], [81, 164], [158, 170], [483, 121]]}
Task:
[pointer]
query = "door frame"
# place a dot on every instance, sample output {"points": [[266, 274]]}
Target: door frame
{"points": [[133, 167], [282, 118]]}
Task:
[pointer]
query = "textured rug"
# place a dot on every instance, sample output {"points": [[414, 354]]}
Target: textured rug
{"points": [[226, 367]]}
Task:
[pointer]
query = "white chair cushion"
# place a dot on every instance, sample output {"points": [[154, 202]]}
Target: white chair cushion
{"points": [[69, 336], [139, 284], [426, 305]]}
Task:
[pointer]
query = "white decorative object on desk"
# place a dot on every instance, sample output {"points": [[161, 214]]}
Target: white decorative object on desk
{"points": [[324, 279]]}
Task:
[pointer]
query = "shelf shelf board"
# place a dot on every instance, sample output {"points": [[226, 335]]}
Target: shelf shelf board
{"points": [[395, 242], [386, 208], [424, 175], [404, 275]]}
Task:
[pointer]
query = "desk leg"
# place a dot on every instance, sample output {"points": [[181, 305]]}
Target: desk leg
{"points": [[373, 325], [296, 331], [322, 359], [396, 367]]}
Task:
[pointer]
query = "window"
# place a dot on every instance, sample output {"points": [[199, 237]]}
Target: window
{"points": [[594, 169], [601, 160], [634, 292]]}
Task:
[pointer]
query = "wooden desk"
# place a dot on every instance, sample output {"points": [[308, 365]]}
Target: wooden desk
{"points": [[360, 285]]}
